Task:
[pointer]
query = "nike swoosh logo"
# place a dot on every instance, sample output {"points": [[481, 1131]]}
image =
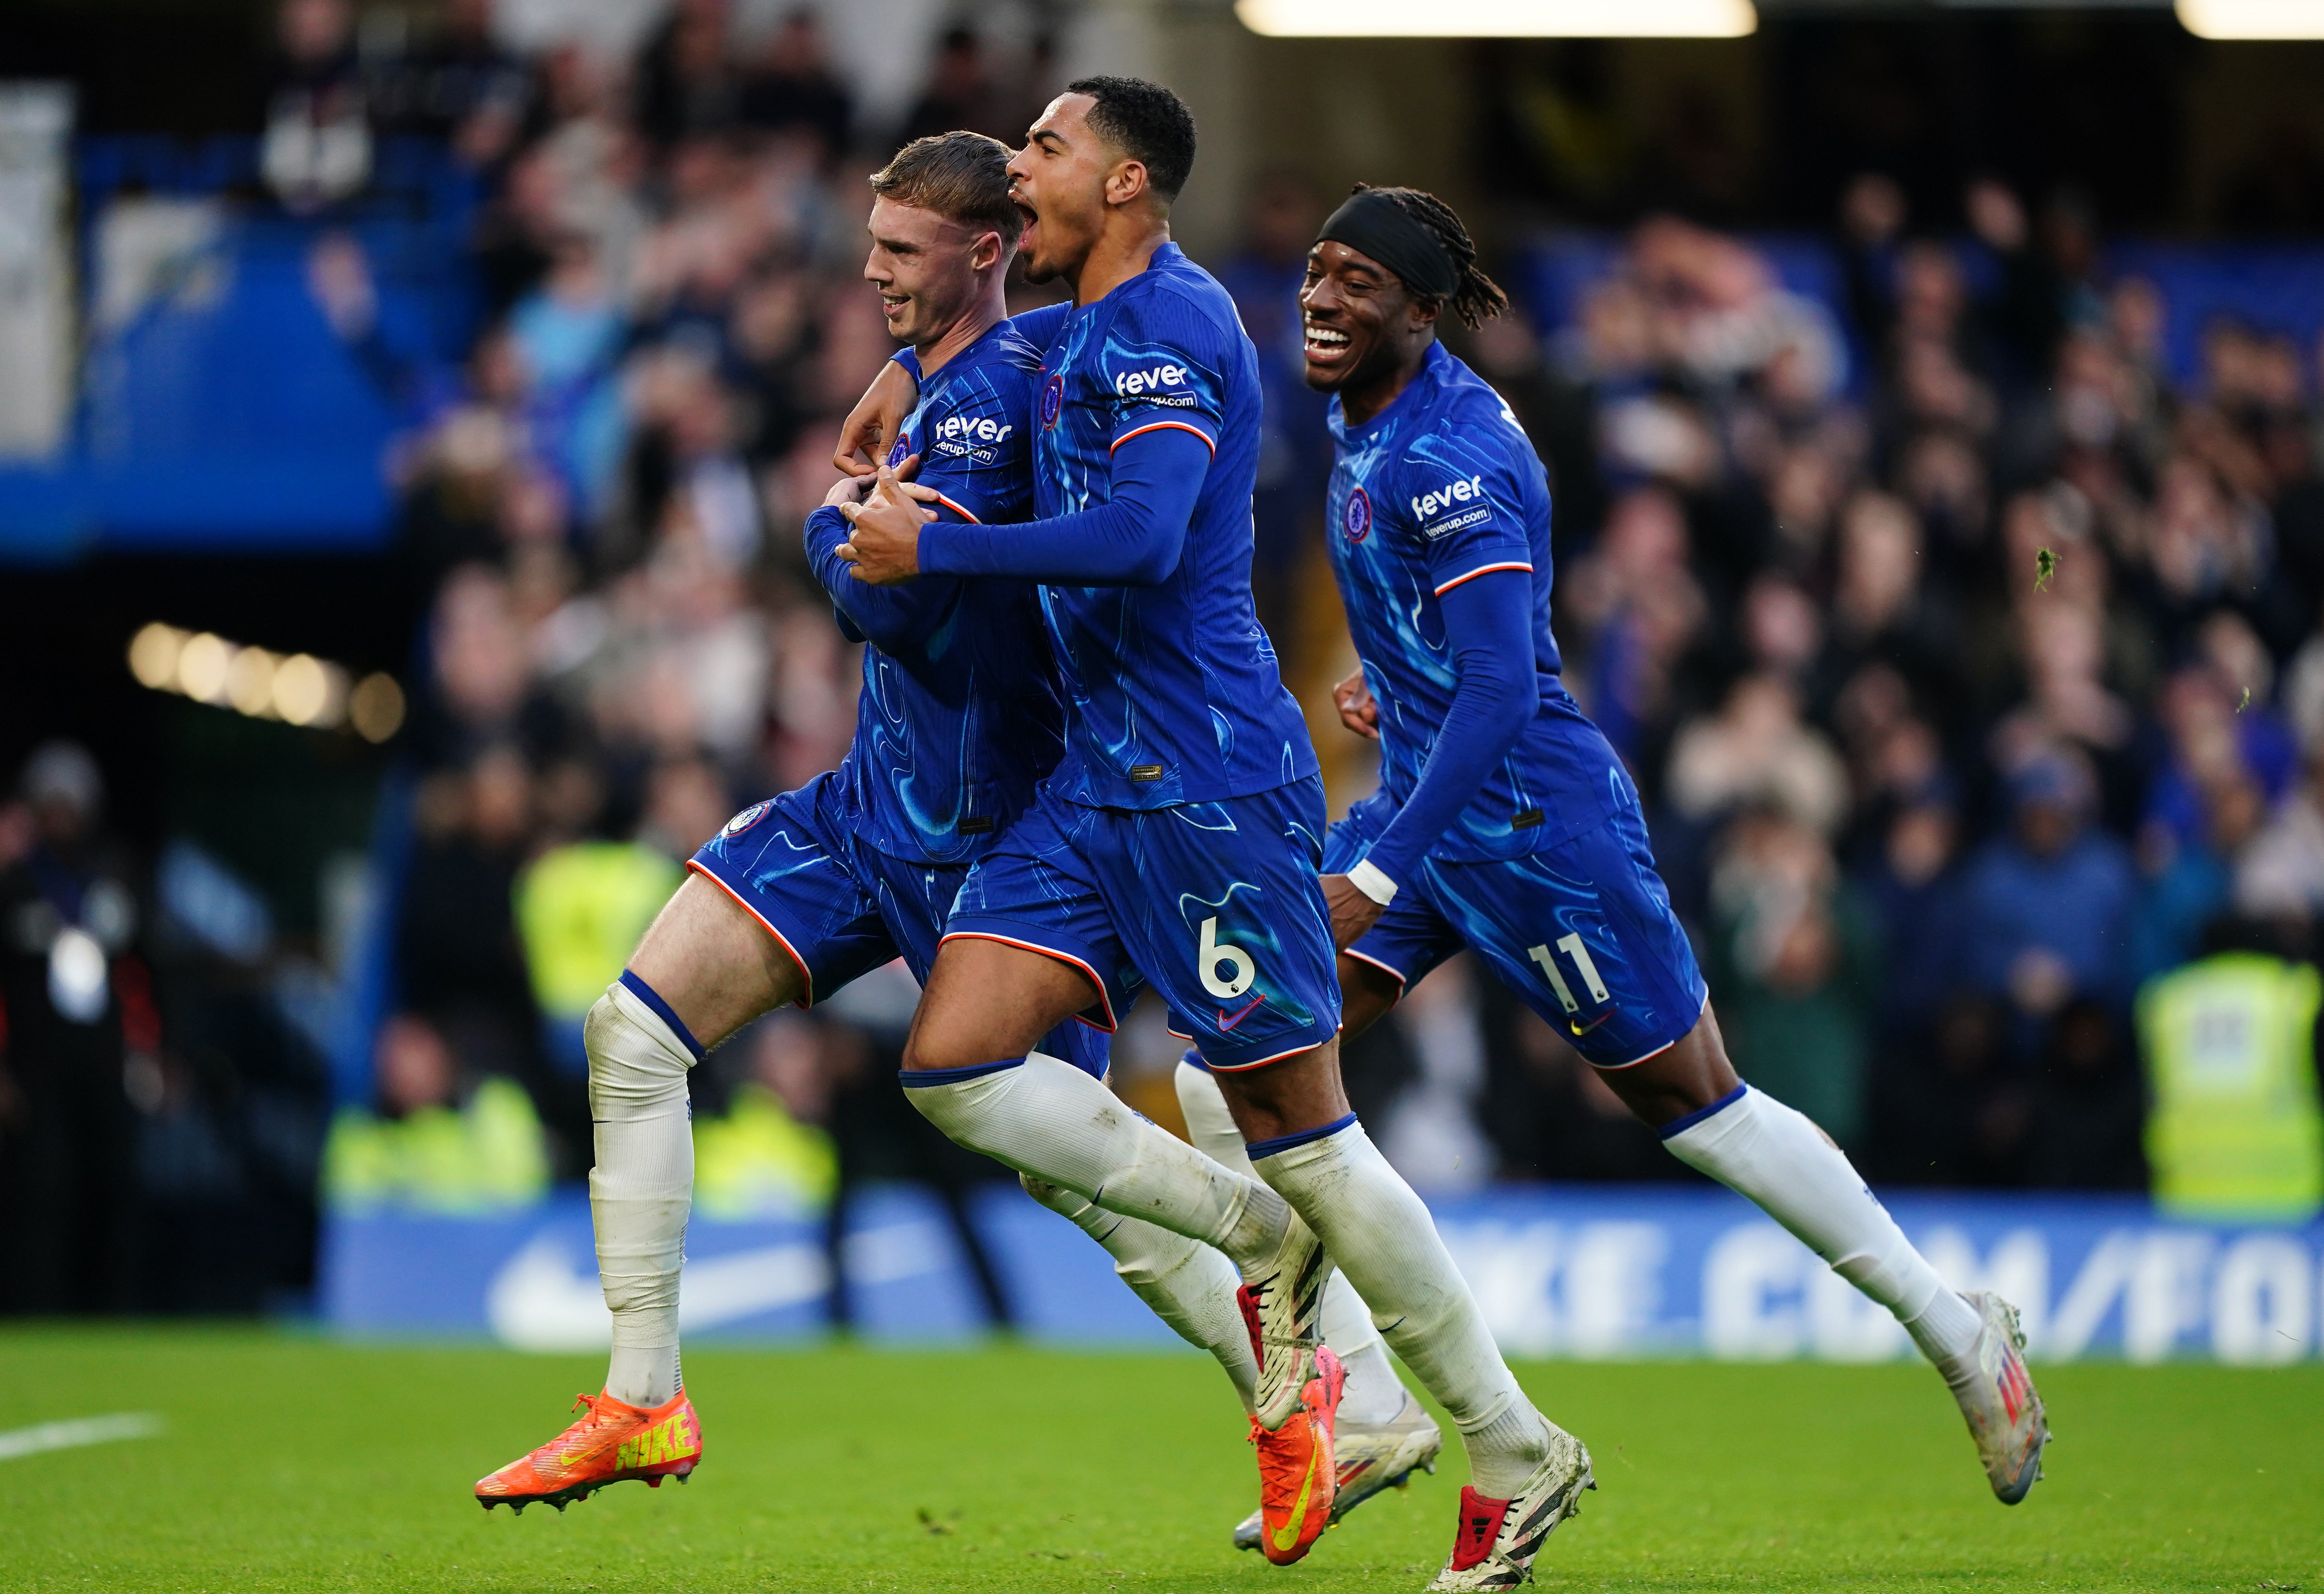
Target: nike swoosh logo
{"points": [[1226, 1023], [1582, 1029], [1289, 1534]]}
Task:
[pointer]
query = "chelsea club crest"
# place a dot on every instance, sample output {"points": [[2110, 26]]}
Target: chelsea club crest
{"points": [[747, 818], [1358, 518]]}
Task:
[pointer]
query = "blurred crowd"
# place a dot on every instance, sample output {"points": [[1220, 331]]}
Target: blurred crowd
{"points": [[1969, 660]]}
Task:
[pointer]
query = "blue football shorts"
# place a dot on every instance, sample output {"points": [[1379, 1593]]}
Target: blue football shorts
{"points": [[1215, 904], [1582, 931], [840, 906]]}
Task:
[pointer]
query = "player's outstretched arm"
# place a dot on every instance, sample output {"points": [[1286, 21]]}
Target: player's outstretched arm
{"points": [[1135, 539], [1488, 626]]}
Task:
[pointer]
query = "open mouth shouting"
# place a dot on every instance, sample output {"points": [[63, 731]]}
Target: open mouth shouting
{"points": [[1028, 242]]}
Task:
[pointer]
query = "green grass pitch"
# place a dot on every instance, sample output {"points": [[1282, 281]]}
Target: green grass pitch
{"points": [[294, 1464]]}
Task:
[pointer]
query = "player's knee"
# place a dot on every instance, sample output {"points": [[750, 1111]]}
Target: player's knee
{"points": [[964, 1110], [628, 1067], [932, 1048]]}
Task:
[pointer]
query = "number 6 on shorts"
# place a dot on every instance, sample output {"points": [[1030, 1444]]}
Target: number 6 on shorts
{"points": [[1212, 952]]}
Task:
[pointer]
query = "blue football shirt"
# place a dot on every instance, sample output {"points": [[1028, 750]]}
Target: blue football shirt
{"points": [[1174, 690], [1440, 487], [961, 715]]}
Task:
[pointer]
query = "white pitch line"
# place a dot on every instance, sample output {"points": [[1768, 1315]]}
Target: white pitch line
{"points": [[44, 1437]]}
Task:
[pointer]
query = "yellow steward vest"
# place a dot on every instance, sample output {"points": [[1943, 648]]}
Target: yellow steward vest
{"points": [[2235, 1130]]}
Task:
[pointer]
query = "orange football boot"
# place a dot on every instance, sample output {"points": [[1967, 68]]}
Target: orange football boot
{"points": [[614, 1441], [1297, 1477]]}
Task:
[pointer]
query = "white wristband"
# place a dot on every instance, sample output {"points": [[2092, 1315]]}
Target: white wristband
{"points": [[1371, 882]]}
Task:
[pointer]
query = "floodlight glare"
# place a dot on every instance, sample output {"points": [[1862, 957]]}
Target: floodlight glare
{"points": [[301, 689], [309, 692], [2253, 19], [376, 707], [202, 664], [1504, 19], [153, 655], [250, 683]]}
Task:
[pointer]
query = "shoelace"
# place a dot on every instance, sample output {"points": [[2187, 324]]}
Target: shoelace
{"points": [[1252, 1299], [1282, 1465], [556, 1448]]}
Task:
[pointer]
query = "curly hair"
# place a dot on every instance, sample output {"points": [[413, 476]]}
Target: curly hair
{"points": [[1146, 122], [1477, 299]]}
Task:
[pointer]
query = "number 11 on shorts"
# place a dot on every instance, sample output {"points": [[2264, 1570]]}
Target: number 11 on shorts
{"points": [[1571, 946]]}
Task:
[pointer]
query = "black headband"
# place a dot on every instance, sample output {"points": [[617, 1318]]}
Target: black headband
{"points": [[1375, 225]]}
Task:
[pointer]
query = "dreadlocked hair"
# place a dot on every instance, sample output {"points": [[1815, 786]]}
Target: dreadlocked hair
{"points": [[1479, 299]]}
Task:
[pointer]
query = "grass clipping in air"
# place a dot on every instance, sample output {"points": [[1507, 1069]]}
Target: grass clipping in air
{"points": [[292, 1464]]}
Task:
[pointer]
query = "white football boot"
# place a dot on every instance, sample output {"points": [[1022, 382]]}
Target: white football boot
{"points": [[1281, 1301], [1372, 1457], [1496, 1542], [2004, 1411]]}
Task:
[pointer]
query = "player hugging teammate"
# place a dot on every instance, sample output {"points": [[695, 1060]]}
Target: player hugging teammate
{"points": [[1040, 836]]}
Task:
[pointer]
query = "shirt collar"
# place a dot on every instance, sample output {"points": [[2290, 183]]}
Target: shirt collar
{"points": [[1166, 256], [910, 357], [1431, 372]]}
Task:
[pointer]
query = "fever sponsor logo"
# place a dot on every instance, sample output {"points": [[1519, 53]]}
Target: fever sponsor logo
{"points": [[972, 429], [1153, 380], [1446, 496]]}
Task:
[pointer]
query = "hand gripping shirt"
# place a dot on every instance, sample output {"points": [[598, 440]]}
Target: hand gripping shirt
{"points": [[1440, 488], [1174, 690], [960, 716]]}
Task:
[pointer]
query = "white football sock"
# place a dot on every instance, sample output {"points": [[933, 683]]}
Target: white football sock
{"points": [[1372, 1224], [1189, 1285], [1754, 1143], [1374, 1393], [1048, 1119], [642, 1189]]}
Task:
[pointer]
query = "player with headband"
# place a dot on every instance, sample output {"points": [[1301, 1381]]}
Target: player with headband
{"points": [[1506, 824]]}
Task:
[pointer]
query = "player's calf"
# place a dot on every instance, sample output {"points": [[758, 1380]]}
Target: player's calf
{"points": [[1382, 1238]]}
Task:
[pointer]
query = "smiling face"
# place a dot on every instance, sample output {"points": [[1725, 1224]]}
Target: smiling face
{"points": [[1362, 326], [929, 269], [1060, 182]]}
